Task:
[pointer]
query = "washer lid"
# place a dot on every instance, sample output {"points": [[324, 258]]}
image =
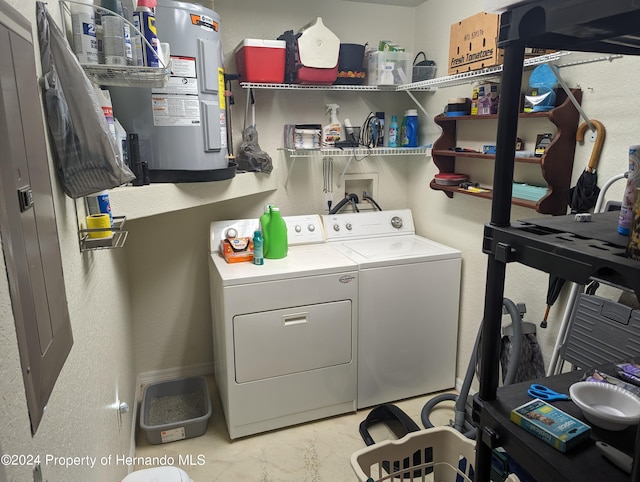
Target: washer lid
{"points": [[397, 250]]}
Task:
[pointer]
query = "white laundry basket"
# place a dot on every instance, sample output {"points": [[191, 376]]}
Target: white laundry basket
{"points": [[439, 454]]}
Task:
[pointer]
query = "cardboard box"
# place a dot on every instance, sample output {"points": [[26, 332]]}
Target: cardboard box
{"points": [[555, 427], [487, 97], [237, 250], [473, 44]]}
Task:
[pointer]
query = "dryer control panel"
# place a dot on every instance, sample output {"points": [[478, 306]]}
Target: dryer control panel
{"points": [[304, 229]]}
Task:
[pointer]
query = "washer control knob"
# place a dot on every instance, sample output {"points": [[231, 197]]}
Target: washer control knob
{"points": [[348, 226], [311, 227], [336, 227], [396, 222], [298, 228]]}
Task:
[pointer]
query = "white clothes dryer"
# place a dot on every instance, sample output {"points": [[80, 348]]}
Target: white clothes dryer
{"points": [[284, 333], [408, 304]]}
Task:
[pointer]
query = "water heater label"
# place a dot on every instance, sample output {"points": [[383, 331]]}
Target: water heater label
{"points": [[175, 110], [204, 22], [179, 85], [183, 66], [176, 104]]}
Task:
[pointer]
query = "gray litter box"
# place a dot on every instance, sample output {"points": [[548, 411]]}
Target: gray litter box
{"points": [[175, 410]]}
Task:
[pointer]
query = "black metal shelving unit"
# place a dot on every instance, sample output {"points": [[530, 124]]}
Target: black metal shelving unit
{"points": [[553, 246]]}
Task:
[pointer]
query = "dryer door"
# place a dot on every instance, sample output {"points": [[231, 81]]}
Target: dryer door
{"points": [[281, 342]]}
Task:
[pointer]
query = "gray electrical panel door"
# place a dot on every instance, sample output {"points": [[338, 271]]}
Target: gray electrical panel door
{"points": [[27, 219]]}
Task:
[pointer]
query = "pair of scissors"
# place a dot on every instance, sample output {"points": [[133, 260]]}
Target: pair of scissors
{"points": [[546, 394]]}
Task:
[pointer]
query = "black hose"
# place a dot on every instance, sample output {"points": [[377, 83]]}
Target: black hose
{"points": [[349, 198], [371, 200], [340, 205], [512, 369], [460, 423]]}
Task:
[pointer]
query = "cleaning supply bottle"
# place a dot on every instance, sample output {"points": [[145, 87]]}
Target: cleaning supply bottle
{"points": [[633, 181], [409, 130], [332, 132], [404, 140], [116, 36], [277, 228], [258, 245], [393, 132], [144, 20], [264, 226], [380, 137], [83, 25]]}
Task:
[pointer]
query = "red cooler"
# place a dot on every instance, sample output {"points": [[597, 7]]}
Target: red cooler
{"points": [[261, 61]]}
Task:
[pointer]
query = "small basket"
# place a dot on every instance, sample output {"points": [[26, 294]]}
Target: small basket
{"points": [[423, 70], [441, 451]]}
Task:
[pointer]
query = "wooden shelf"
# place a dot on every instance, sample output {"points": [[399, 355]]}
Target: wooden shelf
{"points": [[556, 164], [480, 155], [450, 190]]}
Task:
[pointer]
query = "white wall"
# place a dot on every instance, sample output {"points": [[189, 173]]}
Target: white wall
{"points": [[81, 416]]}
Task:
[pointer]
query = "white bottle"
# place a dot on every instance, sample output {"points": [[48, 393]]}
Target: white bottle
{"points": [[83, 26], [114, 40], [104, 97], [332, 132]]}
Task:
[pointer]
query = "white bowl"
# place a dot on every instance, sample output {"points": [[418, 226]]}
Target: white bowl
{"points": [[606, 406]]}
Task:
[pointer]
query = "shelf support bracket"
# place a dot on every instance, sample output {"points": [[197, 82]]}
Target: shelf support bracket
{"points": [[574, 101], [413, 97], [344, 171], [286, 182]]}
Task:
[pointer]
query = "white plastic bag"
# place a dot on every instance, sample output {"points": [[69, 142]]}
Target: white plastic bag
{"points": [[85, 152]]}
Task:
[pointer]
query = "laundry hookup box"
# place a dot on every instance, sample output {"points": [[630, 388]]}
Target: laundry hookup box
{"points": [[261, 61]]}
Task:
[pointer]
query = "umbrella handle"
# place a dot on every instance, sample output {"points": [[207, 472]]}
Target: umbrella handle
{"points": [[597, 148]]}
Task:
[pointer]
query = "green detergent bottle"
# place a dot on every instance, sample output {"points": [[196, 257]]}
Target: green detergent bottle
{"points": [[277, 228], [264, 227]]}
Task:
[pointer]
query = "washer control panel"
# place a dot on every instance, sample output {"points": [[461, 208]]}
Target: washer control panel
{"points": [[339, 227]]}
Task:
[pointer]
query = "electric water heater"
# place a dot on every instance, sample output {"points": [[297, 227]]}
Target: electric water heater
{"points": [[181, 127]]}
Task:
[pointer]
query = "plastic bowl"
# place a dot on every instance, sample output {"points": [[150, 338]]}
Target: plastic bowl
{"points": [[606, 406]]}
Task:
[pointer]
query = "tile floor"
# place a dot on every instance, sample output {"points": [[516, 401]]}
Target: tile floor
{"points": [[311, 452]]}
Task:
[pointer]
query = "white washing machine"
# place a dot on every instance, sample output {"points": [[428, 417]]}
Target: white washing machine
{"points": [[284, 333], [408, 304]]}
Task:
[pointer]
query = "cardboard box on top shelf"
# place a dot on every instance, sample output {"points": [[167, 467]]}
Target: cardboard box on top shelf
{"points": [[473, 44]]}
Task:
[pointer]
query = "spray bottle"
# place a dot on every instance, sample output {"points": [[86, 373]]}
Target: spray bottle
{"points": [[332, 132]]}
